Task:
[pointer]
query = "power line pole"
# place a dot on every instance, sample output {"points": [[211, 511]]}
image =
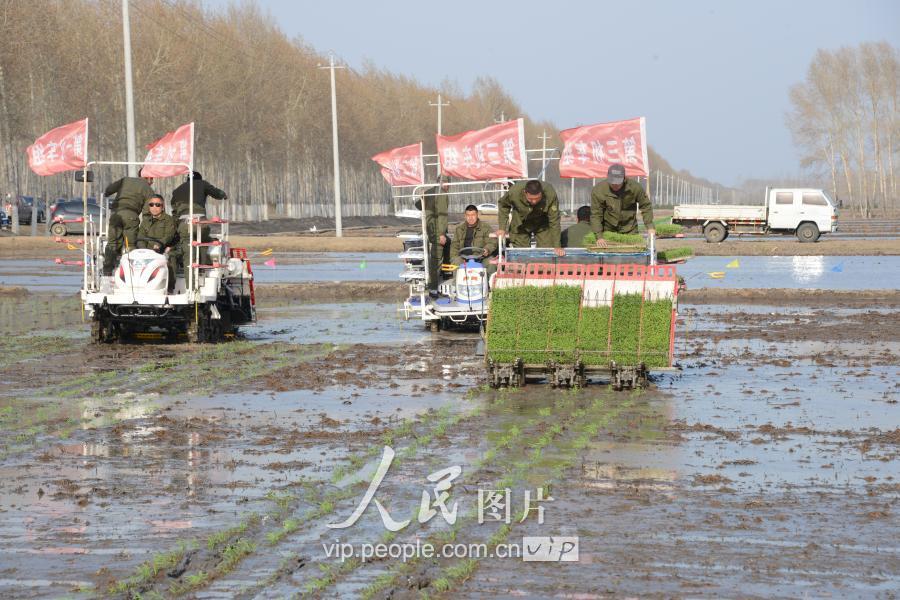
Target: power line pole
{"points": [[129, 92], [544, 137], [440, 104], [338, 231]]}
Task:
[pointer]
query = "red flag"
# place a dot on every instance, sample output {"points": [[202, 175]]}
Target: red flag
{"points": [[589, 151], [489, 153], [62, 149], [174, 147], [402, 166]]}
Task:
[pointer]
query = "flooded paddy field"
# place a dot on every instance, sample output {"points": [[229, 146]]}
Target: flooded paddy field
{"points": [[768, 465]]}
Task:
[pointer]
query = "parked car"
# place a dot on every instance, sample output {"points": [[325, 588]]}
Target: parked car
{"points": [[488, 208], [25, 205], [64, 210], [4, 219]]}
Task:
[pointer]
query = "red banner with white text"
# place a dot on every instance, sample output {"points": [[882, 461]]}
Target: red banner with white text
{"points": [[490, 153], [174, 147], [402, 166], [589, 151], [59, 150]]}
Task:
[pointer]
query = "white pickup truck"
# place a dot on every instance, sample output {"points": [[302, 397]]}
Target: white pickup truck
{"points": [[806, 212]]}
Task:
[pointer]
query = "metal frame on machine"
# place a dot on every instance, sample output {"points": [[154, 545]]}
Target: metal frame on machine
{"points": [[192, 268], [416, 192]]}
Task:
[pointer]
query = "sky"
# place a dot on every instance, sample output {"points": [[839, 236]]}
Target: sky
{"points": [[711, 78]]}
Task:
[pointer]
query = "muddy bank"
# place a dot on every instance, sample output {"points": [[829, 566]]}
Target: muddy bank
{"points": [[348, 291], [787, 297], [12, 291], [45, 247], [389, 291], [715, 323], [384, 240], [345, 291]]}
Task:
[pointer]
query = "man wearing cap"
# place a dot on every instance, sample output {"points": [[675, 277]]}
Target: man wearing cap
{"points": [[437, 205], [530, 208], [615, 202]]}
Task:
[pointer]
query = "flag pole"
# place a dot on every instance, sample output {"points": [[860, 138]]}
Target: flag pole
{"points": [[84, 212]]}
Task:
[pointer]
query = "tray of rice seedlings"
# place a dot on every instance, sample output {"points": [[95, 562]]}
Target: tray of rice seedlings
{"points": [[656, 330], [504, 323], [640, 331], [563, 338], [548, 324], [618, 242], [674, 255], [593, 335], [668, 230]]}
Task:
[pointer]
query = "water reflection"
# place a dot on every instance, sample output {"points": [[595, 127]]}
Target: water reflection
{"points": [[807, 269]]}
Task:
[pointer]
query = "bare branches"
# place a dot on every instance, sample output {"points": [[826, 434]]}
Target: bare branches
{"points": [[844, 117]]}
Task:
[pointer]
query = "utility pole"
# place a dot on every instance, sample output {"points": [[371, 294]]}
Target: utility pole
{"points": [[544, 137], [440, 104], [129, 92], [334, 140]]}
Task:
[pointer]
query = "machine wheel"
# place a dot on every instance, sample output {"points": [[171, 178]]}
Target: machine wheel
{"points": [[103, 331], [207, 329], [715, 233], [226, 325], [58, 229], [807, 233], [434, 326], [196, 330], [96, 332]]}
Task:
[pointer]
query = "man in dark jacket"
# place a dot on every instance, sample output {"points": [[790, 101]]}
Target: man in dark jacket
{"points": [[181, 211], [472, 233], [157, 229], [531, 208], [615, 202], [124, 217], [436, 207], [157, 232], [573, 237]]}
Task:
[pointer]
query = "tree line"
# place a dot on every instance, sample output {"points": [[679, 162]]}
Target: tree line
{"points": [[260, 103], [845, 118]]}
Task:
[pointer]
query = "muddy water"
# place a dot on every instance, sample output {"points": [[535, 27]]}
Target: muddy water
{"points": [[807, 272], [295, 267], [769, 464], [337, 323]]}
